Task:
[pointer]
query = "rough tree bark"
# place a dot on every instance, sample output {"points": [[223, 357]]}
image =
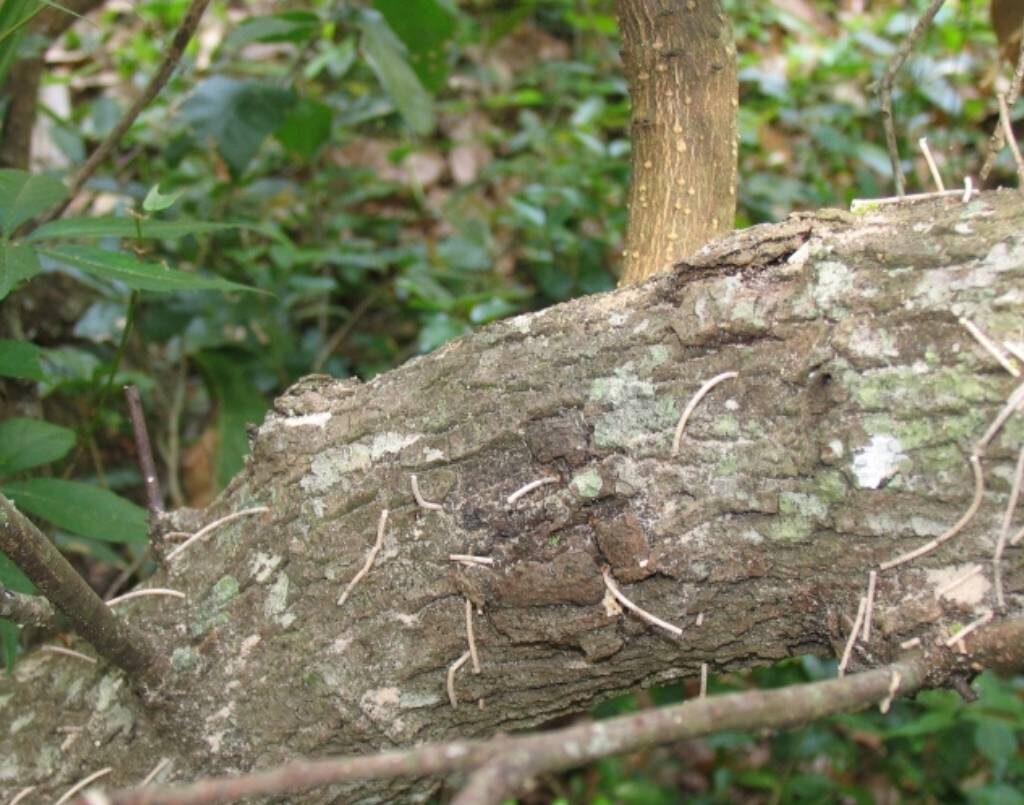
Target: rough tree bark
{"points": [[680, 62], [842, 443]]}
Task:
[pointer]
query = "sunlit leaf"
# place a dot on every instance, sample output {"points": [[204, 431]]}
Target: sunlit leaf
{"points": [[387, 57]]}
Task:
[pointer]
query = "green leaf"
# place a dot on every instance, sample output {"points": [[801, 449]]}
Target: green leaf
{"points": [[20, 359], [135, 273], [9, 642], [237, 115], [18, 263], [386, 56], [80, 508], [122, 227], [996, 740], [288, 26], [307, 127], [12, 578], [26, 443], [24, 195], [155, 201], [424, 26], [239, 403]]}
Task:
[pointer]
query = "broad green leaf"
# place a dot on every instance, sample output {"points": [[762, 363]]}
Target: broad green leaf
{"points": [[996, 740], [14, 17], [12, 578], [18, 263], [424, 26], [135, 273], [307, 127], [236, 115], [80, 508], [239, 403], [26, 443], [9, 642], [155, 201], [20, 359], [288, 26], [123, 227], [24, 195], [386, 56]]}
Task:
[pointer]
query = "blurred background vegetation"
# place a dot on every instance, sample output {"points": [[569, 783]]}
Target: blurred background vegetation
{"points": [[402, 171]]}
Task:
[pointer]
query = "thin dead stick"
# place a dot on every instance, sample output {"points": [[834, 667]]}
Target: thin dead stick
{"points": [[82, 784], [864, 204], [936, 176], [928, 547], [471, 637], [381, 524], [1016, 538], [53, 575], [144, 452], [957, 581], [210, 527], [703, 679], [450, 682], [643, 614], [1004, 531], [913, 642], [692, 405], [970, 627], [523, 490], [22, 794], [1014, 402], [894, 685], [884, 89], [159, 767], [990, 346], [25, 610], [579, 744], [189, 23], [113, 602], [1011, 139], [968, 189], [995, 143], [469, 559], [857, 622], [869, 610], [1015, 348], [68, 652], [423, 504]]}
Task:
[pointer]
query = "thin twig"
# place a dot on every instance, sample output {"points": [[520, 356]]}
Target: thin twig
{"points": [[68, 652], [957, 581], [990, 346], [703, 679], [1011, 138], [82, 784], [894, 685], [1015, 348], [470, 559], [209, 527], [995, 143], [22, 794], [172, 55], [861, 204], [113, 602], [523, 490], [450, 684], [642, 613], [692, 405], [936, 176], [54, 577], [25, 610], [381, 524], [913, 642], [471, 637], [579, 744], [928, 547], [159, 767], [423, 504], [970, 627], [1018, 537], [869, 610], [857, 622], [1013, 403], [968, 189], [885, 85], [144, 452], [1004, 531]]}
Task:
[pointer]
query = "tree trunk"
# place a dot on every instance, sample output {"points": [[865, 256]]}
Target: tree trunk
{"points": [[842, 443], [680, 62]]}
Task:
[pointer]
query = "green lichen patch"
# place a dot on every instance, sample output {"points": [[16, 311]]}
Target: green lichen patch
{"points": [[184, 658], [587, 483], [808, 506]]}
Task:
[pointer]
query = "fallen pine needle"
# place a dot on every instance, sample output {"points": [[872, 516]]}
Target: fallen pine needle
{"points": [[848, 651], [894, 685], [113, 602], [82, 784], [423, 504], [369, 557], [970, 627], [511, 499], [692, 405], [69, 652], [471, 637], [455, 666], [209, 527], [642, 613]]}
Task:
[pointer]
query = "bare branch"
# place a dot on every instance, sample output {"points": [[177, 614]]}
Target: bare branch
{"points": [[144, 452]]}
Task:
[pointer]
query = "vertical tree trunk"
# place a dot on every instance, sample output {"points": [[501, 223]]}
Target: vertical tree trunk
{"points": [[680, 62]]}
